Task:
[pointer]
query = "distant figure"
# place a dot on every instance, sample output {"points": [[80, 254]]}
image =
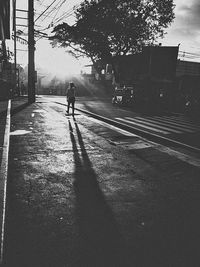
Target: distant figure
{"points": [[71, 97]]}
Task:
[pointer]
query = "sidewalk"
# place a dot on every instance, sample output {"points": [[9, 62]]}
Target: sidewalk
{"points": [[54, 195], [7, 107], [76, 200], [3, 112], [17, 104]]}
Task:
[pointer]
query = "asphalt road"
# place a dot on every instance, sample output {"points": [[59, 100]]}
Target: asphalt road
{"points": [[178, 127], [83, 193]]}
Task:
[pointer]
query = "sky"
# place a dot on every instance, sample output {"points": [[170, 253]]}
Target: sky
{"points": [[184, 30]]}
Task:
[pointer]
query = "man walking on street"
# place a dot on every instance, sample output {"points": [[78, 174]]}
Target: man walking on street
{"points": [[71, 97]]}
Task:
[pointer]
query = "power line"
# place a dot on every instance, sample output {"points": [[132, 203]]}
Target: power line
{"points": [[54, 9], [58, 10], [45, 10], [67, 14], [63, 15]]}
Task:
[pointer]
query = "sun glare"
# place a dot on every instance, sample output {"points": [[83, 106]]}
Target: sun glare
{"points": [[56, 61]]}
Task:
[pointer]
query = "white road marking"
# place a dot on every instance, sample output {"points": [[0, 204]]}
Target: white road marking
{"points": [[176, 123], [144, 126], [143, 122], [164, 123], [144, 143], [20, 132], [183, 121]]}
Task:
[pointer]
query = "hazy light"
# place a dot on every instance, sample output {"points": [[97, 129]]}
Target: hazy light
{"points": [[57, 61]]}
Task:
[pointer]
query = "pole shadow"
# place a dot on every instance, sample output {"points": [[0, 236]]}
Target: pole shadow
{"points": [[101, 242]]}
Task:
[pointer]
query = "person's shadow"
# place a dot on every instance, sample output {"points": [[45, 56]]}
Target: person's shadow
{"points": [[101, 243]]}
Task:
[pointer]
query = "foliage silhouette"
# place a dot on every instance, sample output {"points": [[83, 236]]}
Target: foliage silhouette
{"points": [[110, 28]]}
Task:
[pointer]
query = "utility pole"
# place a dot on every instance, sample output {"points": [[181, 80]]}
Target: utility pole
{"points": [[15, 46], [31, 51]]}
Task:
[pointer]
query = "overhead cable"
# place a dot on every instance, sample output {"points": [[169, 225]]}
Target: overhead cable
{"points": [[45, 10]]}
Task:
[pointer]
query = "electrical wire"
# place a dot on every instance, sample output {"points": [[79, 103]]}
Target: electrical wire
{"points": [[45, 10], [67, 14], [58, 10], [54, 9]]}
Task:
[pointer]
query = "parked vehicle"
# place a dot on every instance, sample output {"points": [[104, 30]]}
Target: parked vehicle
{"points": [[123, 96]]}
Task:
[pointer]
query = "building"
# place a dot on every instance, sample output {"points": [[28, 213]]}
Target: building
{"points": [[188, 78], [4, 34], [187, 68]]}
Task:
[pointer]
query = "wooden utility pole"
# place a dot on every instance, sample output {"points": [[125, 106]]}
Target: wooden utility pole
{"points": [[15, 46], [31, 51]]}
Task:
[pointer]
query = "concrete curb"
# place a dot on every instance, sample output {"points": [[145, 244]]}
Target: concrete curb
{"points": [[3, 178]]}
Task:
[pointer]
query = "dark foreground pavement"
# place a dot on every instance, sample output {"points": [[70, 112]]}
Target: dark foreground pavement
{"points": [[75, 199], [3, 112]]}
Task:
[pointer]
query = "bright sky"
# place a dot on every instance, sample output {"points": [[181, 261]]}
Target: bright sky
{"points": [[184, 30]]}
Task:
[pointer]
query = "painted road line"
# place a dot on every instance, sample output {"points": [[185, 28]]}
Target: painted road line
{"points": [[184, 121], [176, 123], [166, 124], [139, 131], [3, 178], [153, 124], [143, 143], [143, 126]]}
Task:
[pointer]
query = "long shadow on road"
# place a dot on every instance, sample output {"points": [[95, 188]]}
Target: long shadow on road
{"points": [[41, 226], [101, 242]]}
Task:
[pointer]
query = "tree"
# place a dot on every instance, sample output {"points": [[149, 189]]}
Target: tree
{"points": [[107, 28]]}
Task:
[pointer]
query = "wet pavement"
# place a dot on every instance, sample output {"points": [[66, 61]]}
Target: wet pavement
{"points": [[17, 104], [81, 193]]}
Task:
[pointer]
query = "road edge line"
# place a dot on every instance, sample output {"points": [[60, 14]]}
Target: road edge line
{"points": [[4, 176]]}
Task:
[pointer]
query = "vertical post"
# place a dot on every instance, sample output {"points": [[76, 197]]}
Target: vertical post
{"points": [[18, 80], [3, 45], [15, 46], [31, 50], [150, 60]]}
